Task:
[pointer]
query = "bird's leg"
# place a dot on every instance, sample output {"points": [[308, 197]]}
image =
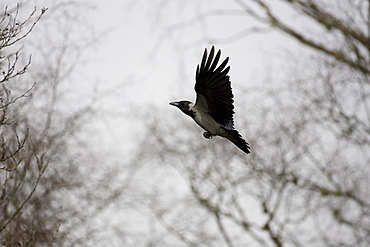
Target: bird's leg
{"points": [[207, 135]]}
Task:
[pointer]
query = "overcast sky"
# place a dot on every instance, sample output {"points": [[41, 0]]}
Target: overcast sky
{"points": [[152, 48], [160, 64]]}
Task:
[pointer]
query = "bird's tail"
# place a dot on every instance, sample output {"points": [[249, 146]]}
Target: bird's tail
{"points": [[236, 138]]}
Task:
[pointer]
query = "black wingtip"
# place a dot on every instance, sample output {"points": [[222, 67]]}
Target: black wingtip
{"points": [[210, 59]]}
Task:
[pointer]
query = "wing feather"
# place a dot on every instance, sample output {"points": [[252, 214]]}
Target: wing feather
{"points": [[213, 88]]}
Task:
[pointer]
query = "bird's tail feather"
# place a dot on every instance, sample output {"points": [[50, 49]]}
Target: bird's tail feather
{"points": [[236, 138]]}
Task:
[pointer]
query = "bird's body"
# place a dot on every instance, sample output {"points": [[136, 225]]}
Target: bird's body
{"points": [[213, 109]]}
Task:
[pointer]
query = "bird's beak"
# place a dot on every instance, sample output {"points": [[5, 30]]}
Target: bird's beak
{"points": [[174, 103]]}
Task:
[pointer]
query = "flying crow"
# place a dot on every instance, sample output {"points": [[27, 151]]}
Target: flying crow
{"points": [[213, 109]]}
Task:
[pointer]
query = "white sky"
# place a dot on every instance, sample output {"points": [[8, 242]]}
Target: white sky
{"points": [[125, 51], [157, 67], [125, 54]]}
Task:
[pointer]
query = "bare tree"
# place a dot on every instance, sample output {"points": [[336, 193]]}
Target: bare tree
{"points": [[305, 183], [15, 140], [45, 198]]}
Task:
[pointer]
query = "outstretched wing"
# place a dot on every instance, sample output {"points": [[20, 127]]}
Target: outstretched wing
{"points": [[213, 89]]}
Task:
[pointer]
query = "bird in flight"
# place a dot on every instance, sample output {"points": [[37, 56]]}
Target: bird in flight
{"points": [[213, 109]]}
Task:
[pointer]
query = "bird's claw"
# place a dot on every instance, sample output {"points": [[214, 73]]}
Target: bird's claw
{"points": [[207, 135]]}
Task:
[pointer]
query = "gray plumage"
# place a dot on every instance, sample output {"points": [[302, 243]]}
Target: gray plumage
{"points": [[213, 109]]}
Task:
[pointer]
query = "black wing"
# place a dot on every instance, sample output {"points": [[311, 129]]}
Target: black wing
{"points": [[213, 89]]}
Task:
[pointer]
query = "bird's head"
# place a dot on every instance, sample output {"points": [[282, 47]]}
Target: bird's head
{"points": [[185, 106]]}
